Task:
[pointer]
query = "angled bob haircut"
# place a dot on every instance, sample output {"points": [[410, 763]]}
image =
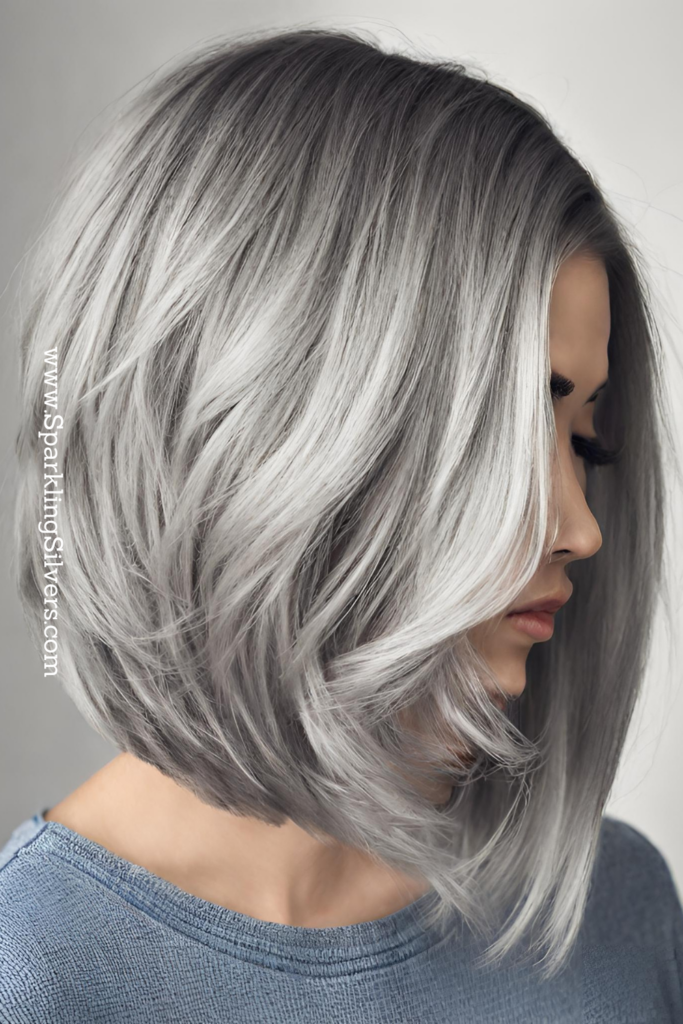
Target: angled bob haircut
{"points": [[286, 352]]}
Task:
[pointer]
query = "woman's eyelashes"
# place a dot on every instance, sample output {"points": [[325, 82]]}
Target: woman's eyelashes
{"points": [[590, 450], [587, 448]]}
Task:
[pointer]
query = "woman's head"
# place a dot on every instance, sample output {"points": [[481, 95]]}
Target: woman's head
{"points": [[299, 298]]}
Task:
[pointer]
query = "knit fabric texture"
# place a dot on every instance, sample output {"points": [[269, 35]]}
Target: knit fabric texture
{"points": [[87, 937]]}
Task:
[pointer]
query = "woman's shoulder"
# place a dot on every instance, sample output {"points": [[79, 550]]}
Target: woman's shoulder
{"points": [[633, 898], [65, 929], [626, 850], [28, 968], [22, 835], [626, 855]]}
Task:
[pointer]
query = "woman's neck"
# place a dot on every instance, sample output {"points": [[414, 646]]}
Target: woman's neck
{"points": [[272, 873]]}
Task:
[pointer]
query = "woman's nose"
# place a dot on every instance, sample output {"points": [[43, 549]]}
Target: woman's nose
{"points": [[579, 531]]}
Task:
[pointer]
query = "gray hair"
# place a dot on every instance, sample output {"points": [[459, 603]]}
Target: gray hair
{"points": [[298, 293]]}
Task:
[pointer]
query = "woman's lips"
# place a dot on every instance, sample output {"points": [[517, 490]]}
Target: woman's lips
{"points": [[537, 625]]}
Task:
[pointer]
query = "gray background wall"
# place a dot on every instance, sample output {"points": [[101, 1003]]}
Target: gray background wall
{"points": [[609, 75]]}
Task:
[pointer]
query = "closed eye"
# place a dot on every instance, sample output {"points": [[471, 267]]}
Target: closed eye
{"points": [[561, 386], [591, 451], [587, 448]]}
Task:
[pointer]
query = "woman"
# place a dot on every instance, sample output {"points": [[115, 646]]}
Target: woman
{"points": [[336, 359]]}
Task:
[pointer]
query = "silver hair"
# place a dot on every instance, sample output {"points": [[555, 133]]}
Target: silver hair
{"points": [[298, 292]]}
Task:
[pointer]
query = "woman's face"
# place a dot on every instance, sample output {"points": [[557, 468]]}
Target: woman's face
{"points": [[579, 333]]}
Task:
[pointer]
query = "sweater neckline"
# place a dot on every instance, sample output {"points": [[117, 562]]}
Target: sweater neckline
{"points": [[340, 949]]}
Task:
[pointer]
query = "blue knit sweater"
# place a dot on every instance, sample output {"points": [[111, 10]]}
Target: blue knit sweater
{"points": [[87, 937]]}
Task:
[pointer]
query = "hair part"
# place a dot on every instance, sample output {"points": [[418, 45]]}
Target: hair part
{"points": [[299, 295]]}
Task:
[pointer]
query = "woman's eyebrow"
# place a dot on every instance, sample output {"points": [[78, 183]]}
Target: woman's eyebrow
{"points": [[561, 386]]}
